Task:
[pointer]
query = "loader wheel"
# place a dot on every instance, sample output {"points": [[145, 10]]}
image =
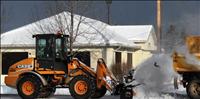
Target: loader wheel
{"points": [[193, 89], [28, 87], [81, 87], [47, 92], [100, 92]]}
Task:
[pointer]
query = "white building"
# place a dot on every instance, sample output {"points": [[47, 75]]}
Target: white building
{"points": [[129, 44]]}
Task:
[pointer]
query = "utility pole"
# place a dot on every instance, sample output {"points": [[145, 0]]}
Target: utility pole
{"points": [[108, 2], [159, 25], [104, 50], [71, 25]]}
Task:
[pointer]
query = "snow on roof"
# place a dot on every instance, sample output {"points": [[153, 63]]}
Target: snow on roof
{"points": [[136, 33], [92, 32]]}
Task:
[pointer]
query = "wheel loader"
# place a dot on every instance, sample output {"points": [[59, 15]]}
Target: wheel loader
{"points": [[190, 72], [53, 68]]}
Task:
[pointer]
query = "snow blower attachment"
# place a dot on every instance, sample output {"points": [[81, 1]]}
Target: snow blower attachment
{"points": [[127, 91], [124, 89], [53, 68]]}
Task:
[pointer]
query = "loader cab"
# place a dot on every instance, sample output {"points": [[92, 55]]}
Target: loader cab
{"points": [[51, 51]]}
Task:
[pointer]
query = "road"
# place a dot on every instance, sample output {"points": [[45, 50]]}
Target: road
{"points": [[168, 96], [64, 94], [54, 97]]}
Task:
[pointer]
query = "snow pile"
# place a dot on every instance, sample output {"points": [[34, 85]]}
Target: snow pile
{"points": [[156, 75]]}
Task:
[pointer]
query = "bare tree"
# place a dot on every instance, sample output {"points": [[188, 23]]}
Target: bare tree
{"points": [[68, 22], [119, 70], [108, 3]]}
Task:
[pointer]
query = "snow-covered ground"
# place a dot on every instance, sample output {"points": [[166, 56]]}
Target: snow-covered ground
{"points": [[172, 94]]}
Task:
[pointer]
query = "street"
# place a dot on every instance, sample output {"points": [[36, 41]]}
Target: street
{"points": [[167, 96], [63, 93], [54, 97]]}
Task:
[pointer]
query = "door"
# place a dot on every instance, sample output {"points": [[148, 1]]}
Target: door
{"points": [[45, 52], [60, 55]]}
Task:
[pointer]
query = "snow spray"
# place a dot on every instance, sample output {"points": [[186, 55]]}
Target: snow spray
{"points": [[190, 59], [155, 76]]}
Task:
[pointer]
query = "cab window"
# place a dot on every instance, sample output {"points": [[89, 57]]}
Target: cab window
{"points": [[58, 47], [45, 47], [41, 48]]}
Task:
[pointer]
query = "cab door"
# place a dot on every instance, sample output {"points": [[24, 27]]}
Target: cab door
{"points": [[60, 54], [45, 51]]}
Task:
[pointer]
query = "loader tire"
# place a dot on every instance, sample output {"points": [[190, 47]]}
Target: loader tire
{"points": [[99, 92], [47, 92], [82, 87], [28, 87], [193, 89]]}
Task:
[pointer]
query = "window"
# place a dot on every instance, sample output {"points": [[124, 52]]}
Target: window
{"points": [[58, 47], [41, 48], [58, 44], [45, 48], [66, 44], [129, 59], [118, 57]]}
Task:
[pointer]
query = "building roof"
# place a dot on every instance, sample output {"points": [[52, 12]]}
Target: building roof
{"points": [[92, 32], [135, 33]]}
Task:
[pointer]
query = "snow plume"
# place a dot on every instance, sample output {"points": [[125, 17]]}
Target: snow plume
{"points": [[155, 75], [190, 22], [176, 31], [190, 59]]}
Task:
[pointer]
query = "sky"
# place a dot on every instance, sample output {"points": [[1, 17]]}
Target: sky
{"points": [[183, 14]]}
